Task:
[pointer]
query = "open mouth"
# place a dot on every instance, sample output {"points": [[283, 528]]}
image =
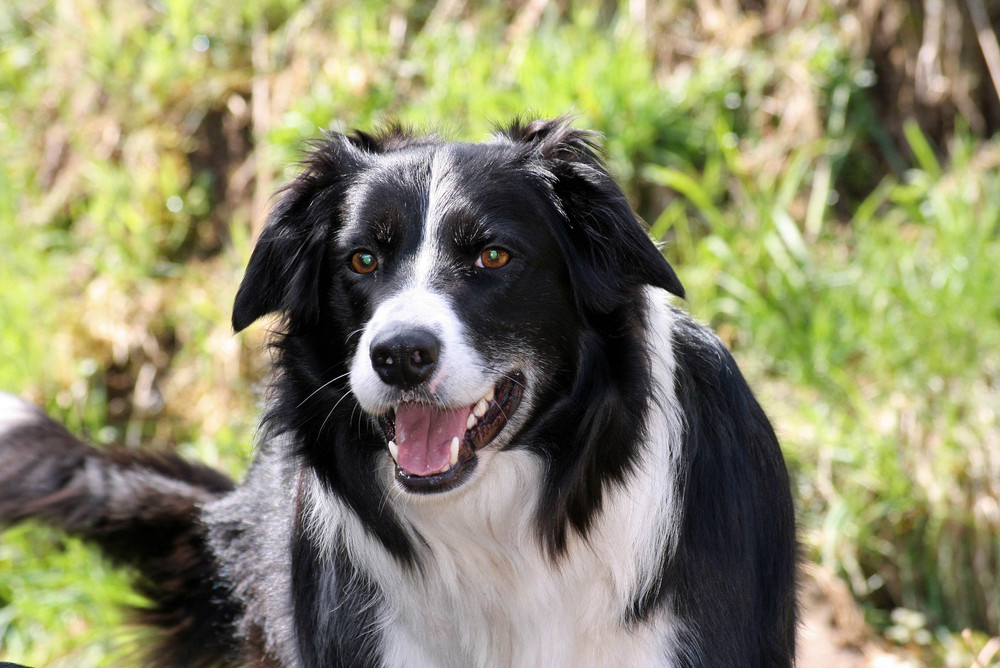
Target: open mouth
{"points": [[435, 447]]}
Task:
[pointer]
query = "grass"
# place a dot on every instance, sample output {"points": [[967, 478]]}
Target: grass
{"points": [[855, 277]]}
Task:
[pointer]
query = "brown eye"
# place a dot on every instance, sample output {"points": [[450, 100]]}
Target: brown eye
{"points": [[493, 258], [363, 263]]}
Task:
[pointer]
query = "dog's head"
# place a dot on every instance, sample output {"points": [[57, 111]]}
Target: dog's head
{"points": [[452, 292]]}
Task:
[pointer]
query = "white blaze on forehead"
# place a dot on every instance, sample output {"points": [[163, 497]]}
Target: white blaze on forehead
{"points": [[431, 251]]}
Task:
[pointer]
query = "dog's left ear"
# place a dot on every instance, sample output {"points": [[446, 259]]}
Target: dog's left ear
{"points": [[609, 252]]}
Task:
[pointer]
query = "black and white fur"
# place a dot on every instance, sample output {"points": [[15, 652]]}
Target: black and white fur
{"points": [[633, 509]]}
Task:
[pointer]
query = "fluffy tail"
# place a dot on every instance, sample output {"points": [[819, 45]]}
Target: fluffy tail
{"points": [[142, 509]]}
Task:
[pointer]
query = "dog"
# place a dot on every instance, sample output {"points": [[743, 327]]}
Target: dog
{"points": [[492, 438]]}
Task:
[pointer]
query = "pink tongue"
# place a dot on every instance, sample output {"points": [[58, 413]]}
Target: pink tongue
{"points": [[424, 434]]}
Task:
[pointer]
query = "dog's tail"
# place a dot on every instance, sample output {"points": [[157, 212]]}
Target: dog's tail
{"points": [[141, 509]]}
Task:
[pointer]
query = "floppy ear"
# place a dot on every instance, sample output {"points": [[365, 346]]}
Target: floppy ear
{"points": [[283, 273], [286, 265], [608, 249]]}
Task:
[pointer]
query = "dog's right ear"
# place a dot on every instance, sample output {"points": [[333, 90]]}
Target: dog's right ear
{"points": [[286, 265], [284, 268]]}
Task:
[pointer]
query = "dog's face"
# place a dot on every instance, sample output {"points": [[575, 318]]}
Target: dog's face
{"points": [[463, 302], [449, 291]]}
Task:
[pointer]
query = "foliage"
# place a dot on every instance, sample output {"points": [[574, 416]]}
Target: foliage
{"points": [[856, 277]]}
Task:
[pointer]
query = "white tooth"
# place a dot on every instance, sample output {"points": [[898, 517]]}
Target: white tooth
{"points": [[480, 409], [394, 451], [454, 450], [471, 422], [489, 395]]}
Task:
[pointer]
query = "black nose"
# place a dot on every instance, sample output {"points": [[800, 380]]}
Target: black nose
{"points": [[406, 359]]}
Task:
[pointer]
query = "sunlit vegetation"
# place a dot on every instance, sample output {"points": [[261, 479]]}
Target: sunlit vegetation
{"points": [[843, 239]]}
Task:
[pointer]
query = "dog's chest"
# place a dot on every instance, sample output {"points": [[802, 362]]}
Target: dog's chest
{"points": [[501, 612], [487, 594]]}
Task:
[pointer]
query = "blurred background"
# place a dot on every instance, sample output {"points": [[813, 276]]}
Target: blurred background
{"points": [[824, 173]]}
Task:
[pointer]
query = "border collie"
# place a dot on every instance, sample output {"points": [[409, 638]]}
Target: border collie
{"points": [[491, 439]]}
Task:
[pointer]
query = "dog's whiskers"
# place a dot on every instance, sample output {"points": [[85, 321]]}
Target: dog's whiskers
{"points": [[505, 375], [321, 387], [331, 411]]}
